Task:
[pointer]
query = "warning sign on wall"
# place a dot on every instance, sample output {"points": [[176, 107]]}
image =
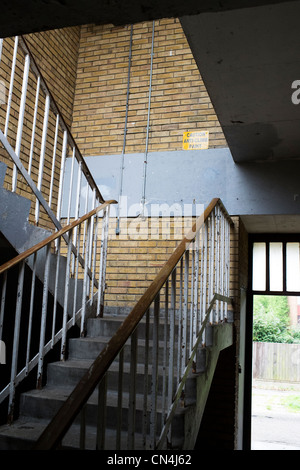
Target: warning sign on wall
{"points": [[195, 140]]}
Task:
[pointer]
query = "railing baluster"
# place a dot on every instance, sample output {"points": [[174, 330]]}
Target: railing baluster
{"points": [[71, 186], [54, 159], [75, 260], [62, 173], [21, 118], [11, 85], [1, 48], [32, 293], [154, 376], [82, 435], [205, 274], [196, 293], [3, 299], [146, 375], [172, 339], [132, 391], [184, 349], [101, 415], [43, 316], [103, 260], [192, 297], [120, 400], [15, 350], [66, 301], [42, 154], [179, 331], [56, 286], [36, 104], [165, 353], [85, 280]]}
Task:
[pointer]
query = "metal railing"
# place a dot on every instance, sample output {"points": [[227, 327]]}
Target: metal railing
{"points": [[190, 291], [38, 141], [31, 323]]}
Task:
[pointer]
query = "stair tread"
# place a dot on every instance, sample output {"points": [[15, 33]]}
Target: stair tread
{"points": [[61, 394], [28, 430]]}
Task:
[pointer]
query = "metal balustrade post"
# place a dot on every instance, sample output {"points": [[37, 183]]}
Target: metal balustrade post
{"points": [[71, 186], [30, 319], [85, 280], [3, 300], [196, 291], [165, 353], [56, 286], [101, 414], [54, 159], [21, 118], [184, 330], [36, 104], [11, 85], [132, 391], [15, 347], [146, 375], [42, 154], [120, 399], [172, 339], [62, 173], [154, 376], [44, 316], [103, 260], [66, 301], [180, 318]]}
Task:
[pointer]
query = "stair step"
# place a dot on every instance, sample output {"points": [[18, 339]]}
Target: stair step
{"points": [[108, 326], [22, 434], [90, 348], [44, 404], [71, 371]]}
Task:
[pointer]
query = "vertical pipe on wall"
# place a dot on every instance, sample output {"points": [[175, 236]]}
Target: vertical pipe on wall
{"points": [[125, 133], [148, 125]]}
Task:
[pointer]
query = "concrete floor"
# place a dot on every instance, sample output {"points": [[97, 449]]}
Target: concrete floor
{"points": [[274, 425]]}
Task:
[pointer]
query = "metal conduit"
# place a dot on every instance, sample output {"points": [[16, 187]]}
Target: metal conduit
{"points": [[125, 133], [148, 126]]}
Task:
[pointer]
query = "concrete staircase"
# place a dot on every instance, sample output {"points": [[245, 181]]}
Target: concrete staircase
{"points": [[37, 407]]}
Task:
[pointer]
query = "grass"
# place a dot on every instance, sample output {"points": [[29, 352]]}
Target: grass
{"points": [[292, 402]]}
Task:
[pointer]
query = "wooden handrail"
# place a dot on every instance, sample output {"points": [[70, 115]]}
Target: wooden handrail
{"points": [[56, 429], [22, 256]]}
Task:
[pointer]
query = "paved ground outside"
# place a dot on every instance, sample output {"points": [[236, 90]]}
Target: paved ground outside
{"points": [[275, 416]]}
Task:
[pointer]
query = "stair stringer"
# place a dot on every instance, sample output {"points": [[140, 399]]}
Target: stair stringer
{"points": [[198, 386]]}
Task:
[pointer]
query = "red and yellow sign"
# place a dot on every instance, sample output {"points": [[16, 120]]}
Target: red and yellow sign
{"points": [[195, 140]]}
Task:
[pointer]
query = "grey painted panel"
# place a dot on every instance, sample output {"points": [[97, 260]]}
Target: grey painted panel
{"points": [[181, 182]]}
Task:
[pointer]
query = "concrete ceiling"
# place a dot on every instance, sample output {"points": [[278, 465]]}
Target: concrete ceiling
{"points": [[248, 59], [271, 223], [21, 17]]}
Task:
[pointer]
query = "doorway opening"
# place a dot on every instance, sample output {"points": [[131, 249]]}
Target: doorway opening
{"points": [[274, 307]]}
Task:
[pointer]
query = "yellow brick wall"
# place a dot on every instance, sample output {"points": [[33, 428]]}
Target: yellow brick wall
{"points": [[179, 100], [56, 53]]}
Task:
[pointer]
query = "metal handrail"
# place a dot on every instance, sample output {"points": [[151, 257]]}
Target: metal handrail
{"points": [[57, 428], [34, 249], [74, 304]]}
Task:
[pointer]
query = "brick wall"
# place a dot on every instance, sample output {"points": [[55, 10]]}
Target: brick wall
{"points": [[179, 100]]}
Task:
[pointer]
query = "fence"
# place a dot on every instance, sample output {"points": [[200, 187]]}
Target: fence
{"points": [[276, 361]]}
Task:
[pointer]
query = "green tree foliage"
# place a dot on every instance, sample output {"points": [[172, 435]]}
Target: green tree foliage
{"points": [[271, 320]]}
